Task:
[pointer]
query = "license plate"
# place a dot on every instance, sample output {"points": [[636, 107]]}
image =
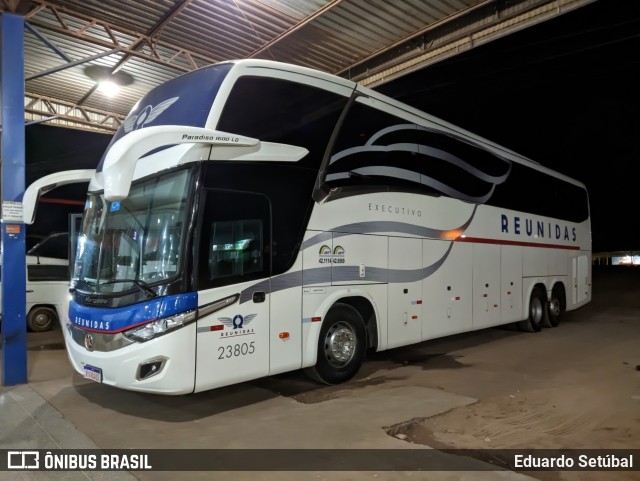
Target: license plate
{"points": [[93, 373]]}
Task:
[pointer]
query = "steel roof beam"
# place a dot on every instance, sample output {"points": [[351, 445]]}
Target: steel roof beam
{"points": [[73, 64], [155, 31], [443, 39], [295, 28], [39, 108], [137, 45]]}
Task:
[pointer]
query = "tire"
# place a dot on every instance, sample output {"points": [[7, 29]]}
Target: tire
{"points": [[41, 319], [554, 308], [537, 312], [342, 346]]}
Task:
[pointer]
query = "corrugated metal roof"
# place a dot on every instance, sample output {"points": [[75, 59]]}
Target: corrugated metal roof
{"points": [[159, 39]]}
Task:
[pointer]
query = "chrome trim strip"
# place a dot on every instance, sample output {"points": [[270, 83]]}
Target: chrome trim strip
{"points": [[214, 306], [102, 342]]}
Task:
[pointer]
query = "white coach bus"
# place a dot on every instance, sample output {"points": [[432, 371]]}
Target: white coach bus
{"points": [[47, 283], [252, 217]]}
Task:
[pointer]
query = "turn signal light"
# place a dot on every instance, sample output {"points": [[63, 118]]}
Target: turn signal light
{"points": [[283, 335]]}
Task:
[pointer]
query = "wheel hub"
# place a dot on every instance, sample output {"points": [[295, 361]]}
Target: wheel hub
{"points": [[340, 345], [536, 310], [41, 319]]}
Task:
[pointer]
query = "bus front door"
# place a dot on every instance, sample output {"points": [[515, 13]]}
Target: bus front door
{"points": [[233, 289]]}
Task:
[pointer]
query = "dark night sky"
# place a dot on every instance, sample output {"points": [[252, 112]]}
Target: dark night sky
{"points": [[565, 93]]}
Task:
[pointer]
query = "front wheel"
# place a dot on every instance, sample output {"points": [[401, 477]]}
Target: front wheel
{"points": [[537, 312], [41, 319], [341, 346]]}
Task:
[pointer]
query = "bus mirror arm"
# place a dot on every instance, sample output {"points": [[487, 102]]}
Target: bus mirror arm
{"points": [[47, 183], [120, 161]]}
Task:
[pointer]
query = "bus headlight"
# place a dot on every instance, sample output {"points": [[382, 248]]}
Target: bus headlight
{"points": [[159, 327]]}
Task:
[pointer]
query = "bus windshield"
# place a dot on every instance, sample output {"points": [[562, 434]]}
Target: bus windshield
{"points": [[128, 244]]}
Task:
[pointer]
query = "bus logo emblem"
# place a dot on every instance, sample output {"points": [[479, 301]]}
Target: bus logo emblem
{"points": [[88, 342], [147, 115], [327, 256], [238, 322]]}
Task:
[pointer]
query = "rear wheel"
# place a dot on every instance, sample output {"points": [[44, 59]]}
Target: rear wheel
{"points": [[554, 308], [41, 319], [537, 312], [341, 346]]}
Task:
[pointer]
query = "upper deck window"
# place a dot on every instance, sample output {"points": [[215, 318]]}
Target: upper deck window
{"points": [[282, 111]]}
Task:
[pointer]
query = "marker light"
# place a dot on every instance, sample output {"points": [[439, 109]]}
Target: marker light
{"points": [[159, 327]]}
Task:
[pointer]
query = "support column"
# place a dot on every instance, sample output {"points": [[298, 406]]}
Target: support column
{"points": [[14, 325]]}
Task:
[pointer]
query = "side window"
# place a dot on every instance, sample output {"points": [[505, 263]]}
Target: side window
{"points": [[363, 154], [234, 238], [46, 272], [559, 199], [236, 248], [376, 148], [275, 110], [281, 111]]}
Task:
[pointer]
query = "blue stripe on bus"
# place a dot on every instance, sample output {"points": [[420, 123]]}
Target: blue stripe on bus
{"points": [[118, 319]]}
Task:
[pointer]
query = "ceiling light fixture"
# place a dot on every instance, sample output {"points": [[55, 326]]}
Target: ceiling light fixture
{"points": [[108, 88], [109, 83]]}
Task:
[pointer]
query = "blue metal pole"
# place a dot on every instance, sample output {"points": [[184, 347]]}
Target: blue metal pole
{"points": [[14, 325]]}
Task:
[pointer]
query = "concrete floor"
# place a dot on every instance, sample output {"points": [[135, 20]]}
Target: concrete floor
{"points": [[575, 386]]}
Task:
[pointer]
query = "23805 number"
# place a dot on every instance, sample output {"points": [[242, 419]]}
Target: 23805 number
{"points": [[235, 350]]}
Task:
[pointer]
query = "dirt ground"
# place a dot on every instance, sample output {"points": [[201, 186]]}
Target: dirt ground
{"points": [[571, 387]]}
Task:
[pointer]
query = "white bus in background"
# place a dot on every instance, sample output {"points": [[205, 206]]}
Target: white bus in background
{"points": [[252, 217], [47, 282]]}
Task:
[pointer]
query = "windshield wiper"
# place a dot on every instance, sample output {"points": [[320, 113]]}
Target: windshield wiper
{"points": [[141, 285], [80, 283]]}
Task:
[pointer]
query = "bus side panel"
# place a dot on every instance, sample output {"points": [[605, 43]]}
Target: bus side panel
{"points": [[535, 262], [317, 256], [559, 271], [55, 293], [446, 294], [558, 262], [511, 283], [359, 259], [233, 344], [285, 329], [583, 279], [486, 285], [579, 289], [404, 293]]}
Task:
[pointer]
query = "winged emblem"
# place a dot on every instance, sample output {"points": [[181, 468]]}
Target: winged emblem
{"points": [[147, 115], [238, 321]]}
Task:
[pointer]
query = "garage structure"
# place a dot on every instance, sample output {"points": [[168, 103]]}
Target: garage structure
{"points": [[85, 413], [69, 45], [74, 51]]}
